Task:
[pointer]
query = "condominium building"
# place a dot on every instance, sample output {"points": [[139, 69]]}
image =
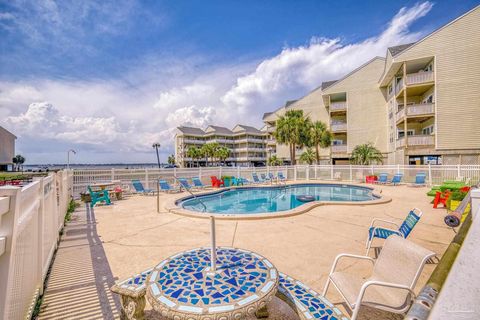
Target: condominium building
{"points": [[7, 148], [247, 145], [420, 104]]}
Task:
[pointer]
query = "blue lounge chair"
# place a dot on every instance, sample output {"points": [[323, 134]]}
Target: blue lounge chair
{"points": [[382, 178], [184, 184], [281, 177], [420, 180], [138, 186], [237, 181], [397, 179], [166, 187], [255, 178], [264, 177], [271, 176], [97, 196], [197, 183], [383, 233]]}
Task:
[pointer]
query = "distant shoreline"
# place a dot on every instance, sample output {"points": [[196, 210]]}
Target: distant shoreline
{"points": [[32, 167]]}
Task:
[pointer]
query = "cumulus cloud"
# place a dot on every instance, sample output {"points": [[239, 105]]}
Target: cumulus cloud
{"points": [[322, 59], [131, 114]]}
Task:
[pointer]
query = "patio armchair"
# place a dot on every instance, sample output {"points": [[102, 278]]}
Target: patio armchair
{"points": [[166, 187], [98, 196], [237, 181], [138, 186], [392, 280], [403, 231], [217, 183], [281, 177]]}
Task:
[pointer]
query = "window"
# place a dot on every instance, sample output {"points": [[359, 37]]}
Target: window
{"points": [[337, 142], [428, 99], [429, 67], [390, 89], [428, 130]]}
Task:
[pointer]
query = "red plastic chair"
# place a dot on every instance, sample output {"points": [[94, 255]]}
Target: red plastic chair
{"points": [[465, 189], [441, 198], [216, 183]]}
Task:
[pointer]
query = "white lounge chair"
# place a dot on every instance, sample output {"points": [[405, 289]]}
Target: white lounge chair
{"points": [[393, 277]]}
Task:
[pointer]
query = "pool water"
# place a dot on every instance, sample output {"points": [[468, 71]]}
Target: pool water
{"points": [[273, 199]]}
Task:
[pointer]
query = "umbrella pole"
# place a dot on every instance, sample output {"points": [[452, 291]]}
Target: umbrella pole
{"points": [[213, 258]]}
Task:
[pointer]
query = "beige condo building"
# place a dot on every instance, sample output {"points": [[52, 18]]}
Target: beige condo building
{"points": [[420, 104], [247, 144]]}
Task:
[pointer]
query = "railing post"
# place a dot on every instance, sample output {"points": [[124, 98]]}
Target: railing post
{"points": [[459, 174], [295, 172], [147, 183], [238, 171], [430, 174], [398, 168], [372, 169], [351, 173], [199, 172], [307, 173], [220, 172], [331, 171], [113, 174], [40, 228]]}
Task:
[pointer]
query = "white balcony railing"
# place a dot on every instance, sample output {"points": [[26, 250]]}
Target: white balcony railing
{"points": [[335, 127], [339, 148], [192, 141], [417, 140], [244, 140], [416, 110], [420, 77], [338, 106], [250, 149]]}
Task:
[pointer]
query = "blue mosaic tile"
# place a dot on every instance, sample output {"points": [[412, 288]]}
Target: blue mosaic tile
{"points": [[184, 279]]}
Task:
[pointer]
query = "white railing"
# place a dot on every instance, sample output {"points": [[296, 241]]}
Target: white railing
{"points": [[417, 110], [420, 77], [244, 140], [30, 220], [339, 148], [338, 106], [192, 141], [435, 173], [417, 140], [335, 127]]}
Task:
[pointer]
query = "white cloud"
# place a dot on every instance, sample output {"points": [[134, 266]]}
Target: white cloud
{"points": [[124, 116]]}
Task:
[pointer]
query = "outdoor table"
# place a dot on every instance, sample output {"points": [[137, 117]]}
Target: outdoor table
{"points": [[185, 287], [102, 185]]}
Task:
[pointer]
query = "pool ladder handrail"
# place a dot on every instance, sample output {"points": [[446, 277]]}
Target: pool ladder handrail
{"points": [[193, 195]]}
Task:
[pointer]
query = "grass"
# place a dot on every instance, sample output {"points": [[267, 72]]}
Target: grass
{"points": [[19, 175]]}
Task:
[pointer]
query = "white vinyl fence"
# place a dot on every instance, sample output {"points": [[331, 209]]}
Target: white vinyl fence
{"points": [[436, 174], [30, 220]]}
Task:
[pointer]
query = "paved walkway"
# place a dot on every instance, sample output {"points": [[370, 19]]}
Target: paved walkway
{"points": [[78, 287]]}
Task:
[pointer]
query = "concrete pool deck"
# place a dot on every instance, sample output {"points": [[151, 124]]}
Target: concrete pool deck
{"points": [[130, 236]]}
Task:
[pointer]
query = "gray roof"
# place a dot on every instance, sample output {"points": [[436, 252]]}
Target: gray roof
{"points": [[398, 49], [266, 114], [248, 129], [219, 130], [327, 84], [191, 130], [289, 102]]}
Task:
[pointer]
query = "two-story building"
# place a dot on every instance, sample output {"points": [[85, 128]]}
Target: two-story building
{"points": [[7, 148]]}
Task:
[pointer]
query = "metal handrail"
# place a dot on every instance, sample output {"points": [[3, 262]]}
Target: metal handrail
{"points": [[193, 195]]}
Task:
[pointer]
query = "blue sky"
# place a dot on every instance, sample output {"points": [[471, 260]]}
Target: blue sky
{"points": [[131, 71]]}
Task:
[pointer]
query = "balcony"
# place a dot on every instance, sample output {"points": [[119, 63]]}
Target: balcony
{"points": [[420, 77], [249, 149], [338, 106], [255, 140], [271, 142], [415, 110], [338, 127], [339, 148], [417, 140], [192, 141]]}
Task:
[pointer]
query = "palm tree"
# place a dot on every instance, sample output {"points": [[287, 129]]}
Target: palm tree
{"points": [[209, 149], [193, 152], [156, 145], [308, 156], [366, 154], [320, 137], [18, 160], [171, 159], [222, 153], [274, 161], [292, 129]]}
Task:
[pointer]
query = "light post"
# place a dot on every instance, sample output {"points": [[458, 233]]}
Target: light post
{"points": [[68, 157], [156, 145]]}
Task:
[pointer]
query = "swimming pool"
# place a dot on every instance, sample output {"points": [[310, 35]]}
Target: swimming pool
{"points": [[257, 200]]}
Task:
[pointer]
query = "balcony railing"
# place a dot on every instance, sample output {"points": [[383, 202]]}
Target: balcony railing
{"points": [[416, 110], [243, 140], [420, 77], [417, 140], [338, 106], [335, 127], [192, 141], [251, 149], [339, 148]]}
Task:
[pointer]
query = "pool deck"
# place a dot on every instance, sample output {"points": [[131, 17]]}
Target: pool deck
{"points": [[114, 242]]}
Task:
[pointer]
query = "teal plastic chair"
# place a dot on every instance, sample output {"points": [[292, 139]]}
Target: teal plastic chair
{"points": [[98, 196], [184, 183], [403, 231], [397, 179], [140, 189], [382, 178], [197, 183], [237, 181], [166, 187]]}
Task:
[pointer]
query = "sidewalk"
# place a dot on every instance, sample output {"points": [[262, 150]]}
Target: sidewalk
{"points": [[78, 287]]}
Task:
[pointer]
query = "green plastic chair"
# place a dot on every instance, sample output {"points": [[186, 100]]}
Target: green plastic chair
{"points": [[98, 196]]}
